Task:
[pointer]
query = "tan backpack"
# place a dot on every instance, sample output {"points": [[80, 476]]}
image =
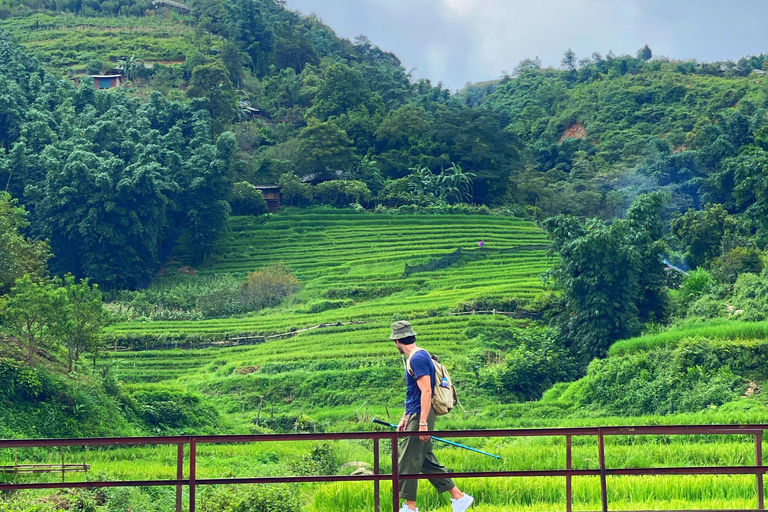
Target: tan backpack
{"points": [[443, 398]]}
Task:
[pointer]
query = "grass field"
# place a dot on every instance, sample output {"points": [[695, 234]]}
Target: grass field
{"points": [[67, 41]]}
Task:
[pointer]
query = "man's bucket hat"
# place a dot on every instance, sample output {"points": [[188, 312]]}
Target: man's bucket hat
{"points": [[401, 329]]}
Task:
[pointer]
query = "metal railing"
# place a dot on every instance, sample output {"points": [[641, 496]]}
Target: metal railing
{"points": [[193, 482]]}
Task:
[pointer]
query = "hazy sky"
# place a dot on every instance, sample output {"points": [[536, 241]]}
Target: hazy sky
{"points": [[458, 41]]}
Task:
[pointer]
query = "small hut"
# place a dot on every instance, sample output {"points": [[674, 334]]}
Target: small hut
{"points": [[271, 195], [106, 81]]}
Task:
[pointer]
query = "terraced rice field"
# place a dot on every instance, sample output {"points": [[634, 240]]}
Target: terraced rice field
{"points": [[363, 256]]}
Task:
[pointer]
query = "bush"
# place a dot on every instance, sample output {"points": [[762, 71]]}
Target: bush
{"points": [[18, 381], [750, 297], [166, 409], [341, 193], [322, 460], [693, 376], [268, 287], [326, 305], [246, 199], [739, 260], [260, 498], [527, 372]]}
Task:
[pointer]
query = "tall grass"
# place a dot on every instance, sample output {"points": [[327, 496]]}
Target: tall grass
{"points": [[713, 329]]}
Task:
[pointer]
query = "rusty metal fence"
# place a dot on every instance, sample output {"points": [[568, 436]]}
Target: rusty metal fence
{"points": [[191, 443]]}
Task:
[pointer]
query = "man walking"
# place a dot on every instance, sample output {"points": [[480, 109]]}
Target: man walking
{"points": [[416, 453]]}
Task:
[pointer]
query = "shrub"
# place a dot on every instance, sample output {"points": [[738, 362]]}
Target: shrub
{"points": [[322, 460], [166, 409], [325, 305], [739, 260], [261, 498], [18, 381], [697, 374], [246, 199], [219, 303], [750, 297], [341, 193], [527, 372], [268, 287]]}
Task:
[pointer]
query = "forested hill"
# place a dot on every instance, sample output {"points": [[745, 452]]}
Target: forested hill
{"points": [[247, 92]]}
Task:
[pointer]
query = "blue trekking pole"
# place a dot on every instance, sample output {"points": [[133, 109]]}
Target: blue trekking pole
{"points": [[379, 422]]}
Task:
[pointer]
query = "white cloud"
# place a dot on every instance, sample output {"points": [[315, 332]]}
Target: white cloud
{"points": [[455, 41]]}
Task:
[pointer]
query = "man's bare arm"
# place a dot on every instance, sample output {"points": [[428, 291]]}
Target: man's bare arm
{"points": [[425, 386]]}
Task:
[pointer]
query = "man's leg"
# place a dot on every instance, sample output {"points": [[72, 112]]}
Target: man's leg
{"points": [[432, 465], [412, 450]]}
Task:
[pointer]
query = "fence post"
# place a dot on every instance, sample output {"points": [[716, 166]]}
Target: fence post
{"points": [[568, 483], [759, 476], [395, 475], [603, 481], [192, 473], [376, 483], [179, 475]]}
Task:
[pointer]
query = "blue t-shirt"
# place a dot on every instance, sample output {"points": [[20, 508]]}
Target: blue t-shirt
{"points": [[421, 364]]}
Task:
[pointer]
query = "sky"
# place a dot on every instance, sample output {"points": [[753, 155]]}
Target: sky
{"points": [[461, 41]]}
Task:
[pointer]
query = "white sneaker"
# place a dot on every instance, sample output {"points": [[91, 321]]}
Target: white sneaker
{"points": [[406, 508], [461, 504]]}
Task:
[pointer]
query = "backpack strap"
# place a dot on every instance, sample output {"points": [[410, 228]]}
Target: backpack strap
{"points": [[408, 362]]}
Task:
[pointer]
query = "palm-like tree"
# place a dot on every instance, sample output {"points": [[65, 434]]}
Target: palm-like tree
{"points": [[455, 185], [130, 67]]}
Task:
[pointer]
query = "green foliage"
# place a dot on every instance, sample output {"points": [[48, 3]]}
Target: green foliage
{"points": [[35, 315], [84, 318], [325, 149], [18, 255], [246, 199], [527, 372], [294, 191], [612, 276], [739, 260], [174, 411], [696, 374], [341, 193], [701, 233], [750, 297], [262, 498], [268, 287], [19, 381]]}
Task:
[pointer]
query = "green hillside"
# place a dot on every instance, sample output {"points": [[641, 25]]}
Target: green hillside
{"points": [[68, 43], [351, 267]]}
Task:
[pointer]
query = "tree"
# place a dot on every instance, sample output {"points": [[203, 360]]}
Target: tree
{"points": [[326, 149], [342, 88], [292, 189], [341, 193], [609, 275], [569, 60], [701, 233], [18, 255], [645, 53], [211, 82], [33, 314], [83, 318], [246, 199], [455, 185]]}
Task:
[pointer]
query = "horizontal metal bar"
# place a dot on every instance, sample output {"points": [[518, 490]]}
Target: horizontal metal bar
{"points": [[528, 432], [505, 474], [701, 470], [107, 441], [292, 479], [89, 485]]}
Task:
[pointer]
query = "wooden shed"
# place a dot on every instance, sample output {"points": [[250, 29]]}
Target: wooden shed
{"points": [[106, 81], [271, 194]]}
